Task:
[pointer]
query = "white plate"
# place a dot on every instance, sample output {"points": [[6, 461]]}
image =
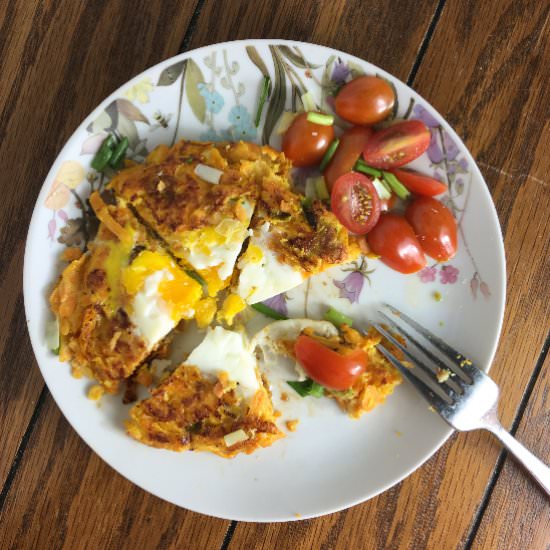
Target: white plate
{"points": [[330, 462]]}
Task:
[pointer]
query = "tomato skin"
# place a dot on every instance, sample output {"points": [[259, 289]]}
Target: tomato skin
{"points": [[435, 227], [305, 143], [365, 100], [393, 239], [327, 367], [352, 143], [355, 202], [419, 184], [397, 144]]}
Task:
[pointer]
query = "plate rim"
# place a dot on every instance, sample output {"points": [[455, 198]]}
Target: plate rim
{"points": [[174, 59]]}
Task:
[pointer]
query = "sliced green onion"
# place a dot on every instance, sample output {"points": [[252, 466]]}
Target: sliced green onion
{"points": [[308, 102], [283, 124], [383, 192], [263, 96], [104, 153], [337, 318], [362, 166], [194, 275], [386, 186], [321, 188], [118, 153], [268, 312], [310, 190], [209, 174], [329, 154], [320, 118], [306, 387], [52, 336], [397, 187]]}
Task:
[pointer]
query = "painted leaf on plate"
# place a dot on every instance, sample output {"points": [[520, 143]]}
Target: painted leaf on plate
{"points": [[193, 77], [297, 58], [130, 111], [278, 97], [257, 60], [169, 75]]}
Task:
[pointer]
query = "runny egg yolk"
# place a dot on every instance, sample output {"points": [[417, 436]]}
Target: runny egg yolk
{"points": [[179, 291], [232, 305]]}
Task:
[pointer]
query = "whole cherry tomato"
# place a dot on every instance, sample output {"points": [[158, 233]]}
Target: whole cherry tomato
{"points": [[352, 143], [435, 227], [393, 239], [355, 202], [305, 142], [418, 183], [397, 144], [327, 367], [365, 100]]}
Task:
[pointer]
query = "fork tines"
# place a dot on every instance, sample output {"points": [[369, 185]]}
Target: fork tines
{"points": [[442, 366]]}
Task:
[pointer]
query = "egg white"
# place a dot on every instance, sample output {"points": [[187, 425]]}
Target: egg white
{"points": [[267, 277]]}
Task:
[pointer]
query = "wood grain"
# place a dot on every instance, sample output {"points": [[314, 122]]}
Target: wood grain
{"points": [[64, 58], [518, 515], [369, 29], [66, 497], [484, 71]]}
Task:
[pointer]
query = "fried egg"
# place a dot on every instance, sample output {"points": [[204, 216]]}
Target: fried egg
{"points": [[262, 275], [227, 351], [161, 294]]}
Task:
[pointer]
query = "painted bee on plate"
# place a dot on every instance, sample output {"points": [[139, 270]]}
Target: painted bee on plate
{"points": [[161, 120]]}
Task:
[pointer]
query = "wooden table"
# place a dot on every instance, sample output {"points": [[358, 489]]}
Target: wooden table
{"points": [[483, 64]]}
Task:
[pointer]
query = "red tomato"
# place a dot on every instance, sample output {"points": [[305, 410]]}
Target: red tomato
{"points": [[397, 144], [393, 239], [365, 100], [355, 202], [352, 143], [327, 367], [418, 183], [434, 226], [305, 143]]}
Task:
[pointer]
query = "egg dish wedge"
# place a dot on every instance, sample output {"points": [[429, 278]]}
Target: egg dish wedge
{"points": [[215, 401], [117, 302]]}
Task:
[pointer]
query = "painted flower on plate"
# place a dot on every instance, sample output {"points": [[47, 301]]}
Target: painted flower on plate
{"points": [[214, 101], [448, 274], [140, 91]]}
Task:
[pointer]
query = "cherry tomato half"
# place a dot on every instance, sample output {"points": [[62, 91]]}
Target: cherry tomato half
{"points": [[393, 239], [434, 226], [397, 144], [355, 202], [305, 142], [352, 143], [365, 100], [327, 367], [418, 183]]}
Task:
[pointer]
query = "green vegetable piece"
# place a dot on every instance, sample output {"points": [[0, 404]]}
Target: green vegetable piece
{"points": [[337, 318], [397, 187], [196, 276], [361, 166], [266, 86], [119, 153], [307, 387], [329, 154], [104, 153], [320, 118], [321, 189], [268, 312]]}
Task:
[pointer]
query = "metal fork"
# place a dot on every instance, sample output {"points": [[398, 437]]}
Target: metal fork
{"points": [[460, 392]]}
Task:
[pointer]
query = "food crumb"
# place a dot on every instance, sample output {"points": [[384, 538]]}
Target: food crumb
{"points": [[297, 515], [430, 408], [292, 425], [441, 323], [277, 414], [398, 433], [95, 392], [437, 296], [284, 396], [443, 375]]}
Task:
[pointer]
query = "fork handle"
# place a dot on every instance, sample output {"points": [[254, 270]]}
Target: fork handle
{"points": [[539, 470]]}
